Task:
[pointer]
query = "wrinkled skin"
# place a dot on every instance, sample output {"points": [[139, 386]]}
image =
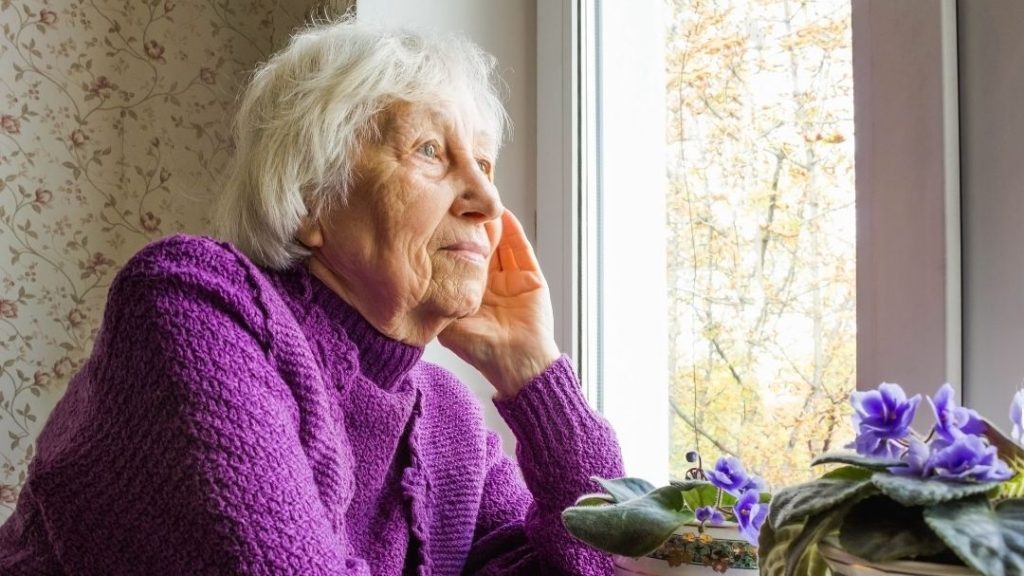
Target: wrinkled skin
{"points": [[424, 248]]}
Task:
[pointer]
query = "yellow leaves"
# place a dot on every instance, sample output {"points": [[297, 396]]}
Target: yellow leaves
{"points": [[786, 228], [825, 35], [722, 46], [698, 79], [833, 138], [759, 97]]}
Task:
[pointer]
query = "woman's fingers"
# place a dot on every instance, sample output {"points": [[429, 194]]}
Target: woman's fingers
{"points": [[514, 247], [508, 259]]}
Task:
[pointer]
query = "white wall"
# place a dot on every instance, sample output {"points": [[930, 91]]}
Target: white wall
{"points": [[506, 29], [992, 156]]}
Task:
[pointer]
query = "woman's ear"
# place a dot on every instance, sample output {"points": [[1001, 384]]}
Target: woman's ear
{"points": [[310, 233]]}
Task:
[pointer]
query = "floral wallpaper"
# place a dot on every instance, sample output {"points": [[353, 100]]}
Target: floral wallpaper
{"points": [[114, 131]]}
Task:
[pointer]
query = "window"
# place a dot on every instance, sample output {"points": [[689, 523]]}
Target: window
{"points": [[710, 283], [750, 156]]}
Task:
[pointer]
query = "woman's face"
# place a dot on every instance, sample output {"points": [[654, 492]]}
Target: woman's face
{"points": [[410, 247]]}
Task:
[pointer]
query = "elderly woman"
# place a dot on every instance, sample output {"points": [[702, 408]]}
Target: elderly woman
{"points": [[261, 406]]}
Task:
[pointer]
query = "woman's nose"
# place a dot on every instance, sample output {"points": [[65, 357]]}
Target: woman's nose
{"points": [[479, 199]]}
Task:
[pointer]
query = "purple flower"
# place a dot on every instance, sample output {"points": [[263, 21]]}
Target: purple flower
{"points": [[969, 459], [882, 417], [952, 420], [916, 458], [729, 475], [750, 514], [870, 444], [710, 514], [1017, 416], [753, 483]]}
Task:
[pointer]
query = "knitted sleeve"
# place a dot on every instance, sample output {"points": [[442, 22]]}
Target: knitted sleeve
{"points": [[561, 444], [192, 461]]}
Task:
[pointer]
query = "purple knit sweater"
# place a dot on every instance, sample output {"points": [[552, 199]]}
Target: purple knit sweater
{"points": [[233, 420]]}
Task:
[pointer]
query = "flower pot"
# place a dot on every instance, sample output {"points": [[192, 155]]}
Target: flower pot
{"points": [[843, 563], [719, 550]]}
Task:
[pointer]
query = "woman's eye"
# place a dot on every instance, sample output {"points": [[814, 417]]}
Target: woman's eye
{"points": [[484, 165], [430, 150]]}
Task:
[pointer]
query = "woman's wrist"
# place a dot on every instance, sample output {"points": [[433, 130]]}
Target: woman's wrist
{"points": [[519, 369]]}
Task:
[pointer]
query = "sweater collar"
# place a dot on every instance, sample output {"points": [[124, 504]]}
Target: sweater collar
{"points": [[382, 359]]}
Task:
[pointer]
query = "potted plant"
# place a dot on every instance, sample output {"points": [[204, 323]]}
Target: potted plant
{"points": [[949, 502], [706, 524]]}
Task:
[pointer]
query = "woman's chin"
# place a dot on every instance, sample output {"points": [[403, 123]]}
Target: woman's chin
{"points": [[460, 306], [467, 308]]}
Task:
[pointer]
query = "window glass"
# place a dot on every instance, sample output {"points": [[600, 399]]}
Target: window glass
{"points": [[759, 230]]}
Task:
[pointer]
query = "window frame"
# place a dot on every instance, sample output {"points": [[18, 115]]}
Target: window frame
{"points": [[909, 310]]}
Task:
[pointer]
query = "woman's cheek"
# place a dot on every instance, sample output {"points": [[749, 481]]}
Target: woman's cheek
{"points": [[422, 269]]}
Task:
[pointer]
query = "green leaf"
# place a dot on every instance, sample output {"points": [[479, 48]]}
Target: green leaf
{"points": [[685, 485], [797, 502], [773, 547], [700, 495], [814, 529], [856, 460], [914, 491], [622, 489], [879, 530], [635, 528], [596, 499], [1014, 487], [990, 541], [848, 473]]}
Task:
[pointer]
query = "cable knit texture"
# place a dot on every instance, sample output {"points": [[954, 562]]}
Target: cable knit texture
{"points": [[235, 420]]}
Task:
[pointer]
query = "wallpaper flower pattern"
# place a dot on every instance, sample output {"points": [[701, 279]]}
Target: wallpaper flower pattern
{"points": [[114, 131]]}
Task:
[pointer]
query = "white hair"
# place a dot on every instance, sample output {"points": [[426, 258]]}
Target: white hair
{"points": [[308, 109]]}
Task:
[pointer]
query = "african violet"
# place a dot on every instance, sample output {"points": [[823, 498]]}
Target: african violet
{"points": [[633, 518], [953, 496]]}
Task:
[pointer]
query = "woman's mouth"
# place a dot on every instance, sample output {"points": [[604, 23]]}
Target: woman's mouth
{"points": [[470, 251]]}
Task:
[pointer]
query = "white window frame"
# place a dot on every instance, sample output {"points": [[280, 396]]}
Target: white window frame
{"points": [[558, 220], [908, 200]]}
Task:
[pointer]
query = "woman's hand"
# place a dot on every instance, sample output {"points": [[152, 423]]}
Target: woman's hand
{"points": [[510, 339]]}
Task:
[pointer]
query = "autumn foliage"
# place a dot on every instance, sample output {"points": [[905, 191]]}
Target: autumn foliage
{"points": [[761, 231]]}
